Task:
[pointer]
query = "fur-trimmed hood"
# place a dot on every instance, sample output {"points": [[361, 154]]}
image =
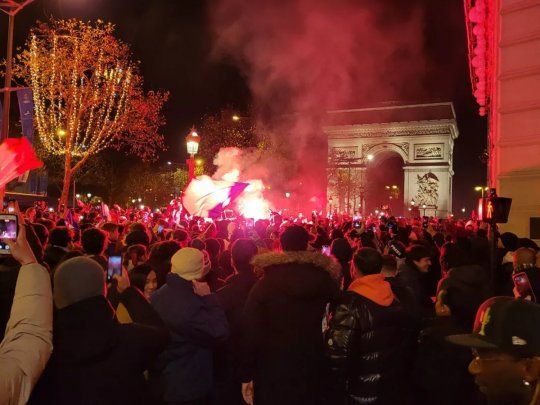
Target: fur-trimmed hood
{"points": [[265, 260]]}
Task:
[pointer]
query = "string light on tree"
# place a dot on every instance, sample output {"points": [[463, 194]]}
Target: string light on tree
{"points": [[87, 94]]}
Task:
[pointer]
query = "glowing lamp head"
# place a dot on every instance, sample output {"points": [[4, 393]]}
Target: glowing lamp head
{"points": [[78, 195], [192, 142], [394, 187], [141, 206], [134, 201], [370, 157], [139, 199], [169, 163], [413, 202], [463, 210], [89, 195], [478, 188], [423, 205], [235, 118], [287, 195]]}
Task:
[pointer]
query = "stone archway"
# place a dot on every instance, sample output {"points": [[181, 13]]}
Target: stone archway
{"points": [[422, 135]]}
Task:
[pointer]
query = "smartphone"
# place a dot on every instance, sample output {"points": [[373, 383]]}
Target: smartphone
{"points": [[523, 286], [160, 229], [326, 250], [115, 267], [9, 229], [357, 224]]}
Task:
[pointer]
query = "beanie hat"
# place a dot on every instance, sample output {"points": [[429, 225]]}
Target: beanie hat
{"points": [[190, 263], [77, 279], [510, 241]]}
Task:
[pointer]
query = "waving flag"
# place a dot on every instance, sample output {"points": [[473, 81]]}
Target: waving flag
{"points": [[16, 157], [206, 197]]}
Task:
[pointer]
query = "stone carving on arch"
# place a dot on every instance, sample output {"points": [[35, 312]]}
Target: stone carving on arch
{"points": [[402, 149]]}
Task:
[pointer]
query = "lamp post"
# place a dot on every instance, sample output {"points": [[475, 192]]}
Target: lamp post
{"points": [[11, 8], [482, 189], [192, 143]]}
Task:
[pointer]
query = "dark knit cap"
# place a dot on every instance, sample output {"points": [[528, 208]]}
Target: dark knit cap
{"points": [[510, 241]]}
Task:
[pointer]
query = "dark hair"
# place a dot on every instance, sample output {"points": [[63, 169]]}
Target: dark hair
{"points": [[416, 253], [341, 250], [242, 251], [93, 241], [368, 261], [160, 258], [137, 237], [139, 274], [60, 237], [180, 235], [453, 256], [389, 261], [109, 227], [294, 238], [213, 248], [41, 232], [197, 244]]}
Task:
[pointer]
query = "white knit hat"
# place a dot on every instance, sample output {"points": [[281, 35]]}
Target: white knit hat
{"points": [[190, 263]]}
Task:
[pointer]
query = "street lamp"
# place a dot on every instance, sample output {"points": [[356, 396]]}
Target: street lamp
{"points": [[482, 189], [235, 117], [192, 143], [89, 195]]}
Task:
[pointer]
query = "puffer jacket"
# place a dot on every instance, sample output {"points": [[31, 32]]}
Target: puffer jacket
{"points": [[369, 347]]}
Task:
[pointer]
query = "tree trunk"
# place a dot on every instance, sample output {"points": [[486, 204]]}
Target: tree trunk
{"points": [[65, 188]]}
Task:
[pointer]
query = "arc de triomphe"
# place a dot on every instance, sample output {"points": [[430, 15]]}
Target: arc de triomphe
{"points": [[421, 134]]}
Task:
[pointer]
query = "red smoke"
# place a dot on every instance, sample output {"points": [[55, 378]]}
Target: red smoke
{"points": [[304, 57]]}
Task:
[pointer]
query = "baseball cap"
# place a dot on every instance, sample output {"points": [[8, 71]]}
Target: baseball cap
{"points": [[505, 324]]}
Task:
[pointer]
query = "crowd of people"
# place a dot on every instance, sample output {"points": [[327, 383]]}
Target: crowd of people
{"points": [[278, 311]]}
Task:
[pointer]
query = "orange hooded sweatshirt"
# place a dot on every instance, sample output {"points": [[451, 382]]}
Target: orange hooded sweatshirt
{"points": [[374, 288]]}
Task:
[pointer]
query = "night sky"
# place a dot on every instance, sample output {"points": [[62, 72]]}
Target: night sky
{"points": [[173, 40]]}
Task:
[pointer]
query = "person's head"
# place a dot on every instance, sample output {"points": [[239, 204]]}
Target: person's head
{"points": [[341, 250], [137, 237], [294, 238], [366, 261], [160, 258], [94, 241], [181, 236], [112, 230], [389, 266], [60, 237], [30, 214], [506, 347], [144, 278], [77, 279], [190, 264], [242, 251], [418, 257], [213, 248], [197, 244], [523, 258], [136, 253], [452, 256], [42, 233], [508, 241]]}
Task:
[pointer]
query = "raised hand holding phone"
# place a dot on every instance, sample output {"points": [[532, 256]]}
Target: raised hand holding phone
{"points": [[19, 247]]}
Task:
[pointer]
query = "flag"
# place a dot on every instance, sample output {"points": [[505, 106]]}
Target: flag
{"points": [[16, 157], [205, 197]]}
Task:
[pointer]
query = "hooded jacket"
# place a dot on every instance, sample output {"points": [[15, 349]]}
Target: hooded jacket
{"points": [[368, 345], [283, 349]]}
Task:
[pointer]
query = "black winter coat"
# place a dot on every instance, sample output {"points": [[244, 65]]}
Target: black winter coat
{"points": [[441, 369], [232, 298], [95, 359], [418, 285], [370, 348], [283, 342]]}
